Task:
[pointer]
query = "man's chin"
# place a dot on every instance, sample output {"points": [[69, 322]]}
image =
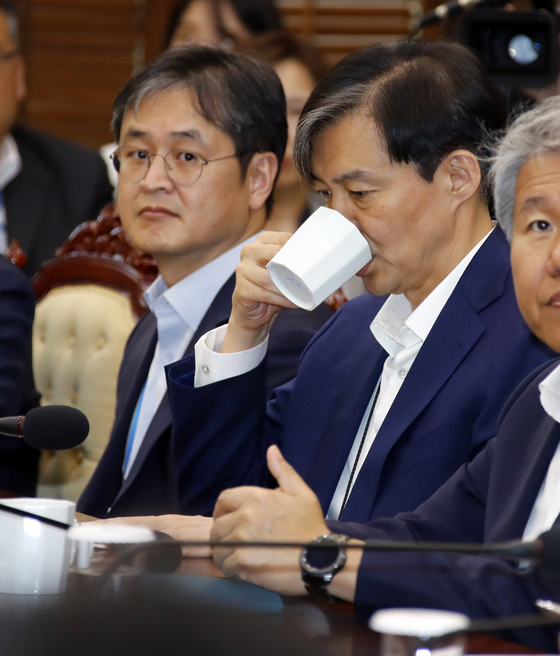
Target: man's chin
{"points": [[375, 286]]}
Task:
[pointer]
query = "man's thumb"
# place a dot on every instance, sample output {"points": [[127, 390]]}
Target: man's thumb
{"points": [[288, 479]]}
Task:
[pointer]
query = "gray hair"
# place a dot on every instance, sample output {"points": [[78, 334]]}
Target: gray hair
{"points": [[533, 134], [11, 14]]}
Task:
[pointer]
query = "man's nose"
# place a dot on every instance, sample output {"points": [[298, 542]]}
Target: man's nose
{"points": [[344, 206], [553, 264], [156, 177]]}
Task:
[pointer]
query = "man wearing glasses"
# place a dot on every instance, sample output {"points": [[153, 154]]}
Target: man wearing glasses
{"points": [[200, 133], [47, 186]]}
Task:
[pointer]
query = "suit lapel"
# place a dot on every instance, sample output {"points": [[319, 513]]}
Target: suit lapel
{"points": [[140, 353], [330, 437], [455, 332], [217, 314], [529, 468]]}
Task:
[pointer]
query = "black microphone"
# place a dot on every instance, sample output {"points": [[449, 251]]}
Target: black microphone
{"points": [[450, 8], [51, 427]]}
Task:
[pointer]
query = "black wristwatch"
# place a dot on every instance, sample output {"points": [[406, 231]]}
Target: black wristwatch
{"points": [[318, 566]]}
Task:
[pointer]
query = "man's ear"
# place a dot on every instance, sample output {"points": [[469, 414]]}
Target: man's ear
{"points": [[462, 170], [261, 174]]}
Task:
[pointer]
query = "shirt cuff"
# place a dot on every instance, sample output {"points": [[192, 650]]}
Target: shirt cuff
{"points": [[211, 366]]}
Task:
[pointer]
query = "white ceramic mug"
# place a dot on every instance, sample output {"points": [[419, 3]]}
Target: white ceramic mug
{"points": [[323, 254], [404, 631], [34, 557]]}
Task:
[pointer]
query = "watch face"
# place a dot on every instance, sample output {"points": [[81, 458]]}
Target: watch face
{"points": [[324, 561]]}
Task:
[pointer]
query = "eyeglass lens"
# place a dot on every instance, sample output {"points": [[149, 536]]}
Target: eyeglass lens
{"points": [[181, 167]]}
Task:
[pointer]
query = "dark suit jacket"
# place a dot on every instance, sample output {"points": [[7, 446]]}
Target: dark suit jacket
{"points": [[150, 487], [18, 462], [488, 500], [60, 185], [447, 408]]}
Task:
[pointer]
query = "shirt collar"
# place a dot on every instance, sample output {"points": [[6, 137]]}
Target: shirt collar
{"points": [[10, 160], [396, 325], [549, 389], [192, 296]]}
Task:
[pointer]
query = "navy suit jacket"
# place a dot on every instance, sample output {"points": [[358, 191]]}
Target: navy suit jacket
{"points": [[150, 487], [488, 500], [18, 462], [447, 408], [60, 185]]}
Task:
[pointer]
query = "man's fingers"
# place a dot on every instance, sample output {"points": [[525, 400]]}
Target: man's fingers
{"points": [[288, 479], [231, 500]]}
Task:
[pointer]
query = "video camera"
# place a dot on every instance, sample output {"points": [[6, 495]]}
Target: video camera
{"points": [[518, 48]]}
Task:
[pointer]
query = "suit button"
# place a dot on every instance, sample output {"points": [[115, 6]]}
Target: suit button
{"points": [[205, 369]]}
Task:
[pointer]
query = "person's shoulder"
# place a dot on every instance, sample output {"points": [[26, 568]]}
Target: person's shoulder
{"points": [[52, 148], [145, 328], [10, 273], [528, 388], [362, 308], [15, 287]]}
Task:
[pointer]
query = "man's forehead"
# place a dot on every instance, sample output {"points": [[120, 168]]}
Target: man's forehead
{"points": [[171, 113], [538, 183], [352, 149], [136, 130]]}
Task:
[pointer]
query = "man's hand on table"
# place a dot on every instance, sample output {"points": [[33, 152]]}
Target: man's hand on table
{"points": [[256, 300], [290, 513], [181, 527]]}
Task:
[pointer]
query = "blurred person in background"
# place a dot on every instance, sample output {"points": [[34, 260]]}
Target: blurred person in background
{"points": [[300, 66], [220, 22], [47, 186]]}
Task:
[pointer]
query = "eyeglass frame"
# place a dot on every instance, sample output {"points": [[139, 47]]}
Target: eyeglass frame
{"points": [[203, 162], [6, 56]]}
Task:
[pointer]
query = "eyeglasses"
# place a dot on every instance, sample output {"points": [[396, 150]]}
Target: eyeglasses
{"points": [[182, 167], [4, 56]]}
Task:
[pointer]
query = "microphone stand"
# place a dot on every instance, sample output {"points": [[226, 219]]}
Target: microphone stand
{"points": [[514, 551]]}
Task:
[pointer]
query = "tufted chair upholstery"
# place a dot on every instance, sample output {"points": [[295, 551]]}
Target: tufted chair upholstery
{"points": [[88, 301]]}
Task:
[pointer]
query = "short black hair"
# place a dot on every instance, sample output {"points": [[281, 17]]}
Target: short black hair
{"points": [[239, 94], [426, 98], [258, 16]]}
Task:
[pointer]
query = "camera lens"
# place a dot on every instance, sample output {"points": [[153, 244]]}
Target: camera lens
{"points": [[523, 50]]}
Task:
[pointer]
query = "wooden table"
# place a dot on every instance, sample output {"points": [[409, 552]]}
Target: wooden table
{"points": [[333, 626], [343, 635]]}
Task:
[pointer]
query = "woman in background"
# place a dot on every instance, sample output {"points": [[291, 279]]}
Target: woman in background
{"points": [[220, 22], [300, 66]]}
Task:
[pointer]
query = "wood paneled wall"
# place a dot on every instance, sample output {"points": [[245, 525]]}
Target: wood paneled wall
{"points": [[79, 53], [339, 27]]}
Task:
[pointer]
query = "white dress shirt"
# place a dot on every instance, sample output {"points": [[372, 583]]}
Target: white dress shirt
{"points": [[178, 311], [398, 330], [547, 504], [10, 166]]}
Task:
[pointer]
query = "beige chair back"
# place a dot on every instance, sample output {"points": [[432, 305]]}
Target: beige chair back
{"points": [[88, 301]]}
